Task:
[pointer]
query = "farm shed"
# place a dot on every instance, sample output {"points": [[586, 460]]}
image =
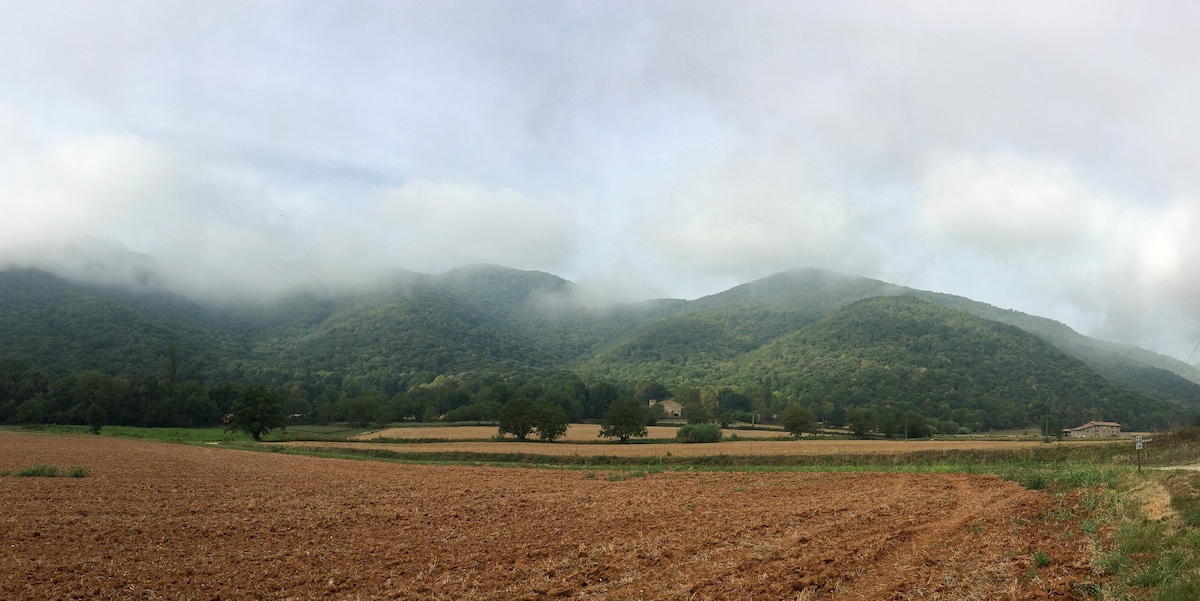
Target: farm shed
{"points": [[1094, 430]]}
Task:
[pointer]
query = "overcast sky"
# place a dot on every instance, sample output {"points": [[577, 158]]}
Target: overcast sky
{"points": [[1040, 156]]}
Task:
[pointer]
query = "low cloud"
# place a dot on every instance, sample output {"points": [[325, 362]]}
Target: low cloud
{"points": [[750, 218], [1126, 266], [124, 210]]}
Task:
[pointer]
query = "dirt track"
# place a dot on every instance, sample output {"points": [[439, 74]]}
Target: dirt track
{"points": [[162, 521]]}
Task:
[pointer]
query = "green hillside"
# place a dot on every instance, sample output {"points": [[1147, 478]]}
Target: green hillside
{"points": [[909, 354], [825, 340], [705, 340]]}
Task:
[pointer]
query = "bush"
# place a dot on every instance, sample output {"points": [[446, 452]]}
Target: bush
{"points": [[39, 471], [709, 432]]}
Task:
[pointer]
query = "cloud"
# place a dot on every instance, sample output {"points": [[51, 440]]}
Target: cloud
{"points": [[123, 209], [1028, 154], [1128, 267], [1009, 206], [750, 217], [434, 226]]}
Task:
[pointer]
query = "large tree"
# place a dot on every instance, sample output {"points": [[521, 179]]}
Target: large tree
{"points": [[625, 418], [518, 417], [798, 420], [550, 421], [257, 411]]}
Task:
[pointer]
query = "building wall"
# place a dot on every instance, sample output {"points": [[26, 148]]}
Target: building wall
{"points": [[1097, 432]]}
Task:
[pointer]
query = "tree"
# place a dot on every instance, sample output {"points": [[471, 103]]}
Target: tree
{"points": [[859, 424], [550, 421], [171, 365], [797, 420], [257, 411], [96, 416], [625, 418], [517, 418]]}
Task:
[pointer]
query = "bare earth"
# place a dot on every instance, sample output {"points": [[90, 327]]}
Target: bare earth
{"points": [[169, 521]]}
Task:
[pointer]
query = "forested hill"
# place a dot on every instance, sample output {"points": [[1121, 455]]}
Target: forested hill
{"points": [[907, 354], [483, 322]]}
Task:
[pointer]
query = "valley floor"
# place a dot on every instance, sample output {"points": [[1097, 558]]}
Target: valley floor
{"points": [[155, 520]]}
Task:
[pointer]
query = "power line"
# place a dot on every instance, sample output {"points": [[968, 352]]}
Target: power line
{"points": [[1189, 360]]}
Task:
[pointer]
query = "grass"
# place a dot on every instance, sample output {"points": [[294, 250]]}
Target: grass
{"points": [[205, 435], [38, 471], [46, 471]]}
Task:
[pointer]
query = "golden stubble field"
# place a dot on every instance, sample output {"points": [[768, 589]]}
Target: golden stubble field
{"points": [[575, 433], [581, 440], [170, 521]]}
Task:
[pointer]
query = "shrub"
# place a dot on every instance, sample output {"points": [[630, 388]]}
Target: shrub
{"points": [[709, 432], [39, 471]]}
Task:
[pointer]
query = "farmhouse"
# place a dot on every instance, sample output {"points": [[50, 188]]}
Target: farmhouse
{"points": [[1094, 430], [672, 408]]}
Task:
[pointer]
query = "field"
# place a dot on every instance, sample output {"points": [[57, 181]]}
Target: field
{"points": [[733, 448], [155, 520], [575, 433]]}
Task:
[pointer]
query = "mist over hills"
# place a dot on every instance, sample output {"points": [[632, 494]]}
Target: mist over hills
{"points": [[817, 338]]}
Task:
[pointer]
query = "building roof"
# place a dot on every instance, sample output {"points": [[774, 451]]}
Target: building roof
{"points": [[1090, 424]]}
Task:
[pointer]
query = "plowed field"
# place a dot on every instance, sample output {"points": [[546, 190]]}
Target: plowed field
{"points": [[164, 521]]}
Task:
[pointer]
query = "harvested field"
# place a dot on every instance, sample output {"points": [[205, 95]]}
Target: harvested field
{"points": [[733, 448], [169, 521], [575, 433]]}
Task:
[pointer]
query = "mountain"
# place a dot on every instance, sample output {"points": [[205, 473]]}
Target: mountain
{"points": [[806, 335], [912, 354]]}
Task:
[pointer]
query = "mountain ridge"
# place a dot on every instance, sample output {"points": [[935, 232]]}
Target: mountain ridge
{"points": [[412, 328]]}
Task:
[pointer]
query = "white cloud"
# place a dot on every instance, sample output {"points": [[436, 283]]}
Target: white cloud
{"points": [[752, 217], [434, 226], [1009, 206]]}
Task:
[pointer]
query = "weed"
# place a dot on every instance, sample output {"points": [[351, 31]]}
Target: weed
{"points": [[614, 477], [1040, 559], [589, 475], [39, 471], [689, 505], [1035, 481], [4, 473], [77, 472], [1088, 527]]}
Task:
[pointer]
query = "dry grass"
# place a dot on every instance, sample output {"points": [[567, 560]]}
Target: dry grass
{"points": [[575, 433], [738, 447]]}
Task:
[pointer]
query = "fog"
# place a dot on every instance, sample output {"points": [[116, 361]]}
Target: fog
{"points": [[1036, 157]]}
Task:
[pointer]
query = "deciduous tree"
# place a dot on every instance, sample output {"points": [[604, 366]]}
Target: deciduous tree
{"points": [[625, 418], [257, 411]]}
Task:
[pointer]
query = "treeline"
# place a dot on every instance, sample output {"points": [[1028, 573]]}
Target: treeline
{"points": [[27, 396]]}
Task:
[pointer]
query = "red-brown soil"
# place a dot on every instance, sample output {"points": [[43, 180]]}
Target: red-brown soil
{"points": [[169, 521]]}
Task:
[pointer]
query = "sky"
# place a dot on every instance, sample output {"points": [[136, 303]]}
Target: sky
{"points": [[1038, 156]]}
